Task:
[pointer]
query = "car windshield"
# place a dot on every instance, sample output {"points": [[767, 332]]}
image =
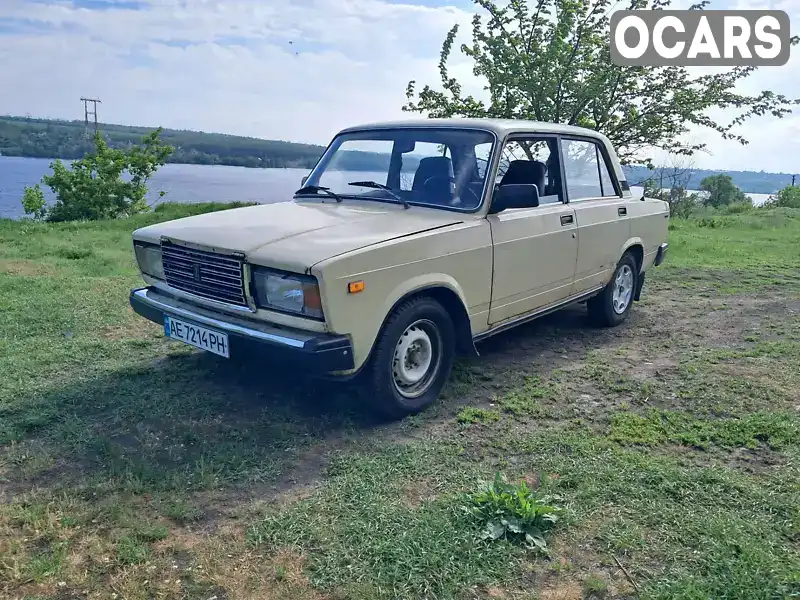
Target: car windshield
{"points": [[443, 167]]}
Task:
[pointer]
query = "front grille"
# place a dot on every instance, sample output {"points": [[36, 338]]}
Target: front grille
{"points": [[207, 274]]}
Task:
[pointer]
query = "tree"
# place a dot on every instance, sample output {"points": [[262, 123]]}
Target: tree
{"points": [[94, 188], [549, 60], [33, 202], [721, 191], [670, 182], [788, 197]]}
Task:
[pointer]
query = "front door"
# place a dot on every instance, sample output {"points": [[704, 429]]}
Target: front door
{"points": [[600, 211], [535, 248]]}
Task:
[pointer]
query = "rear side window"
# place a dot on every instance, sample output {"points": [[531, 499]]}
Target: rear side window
{"points": [[605, 178], [587, 173], [517, 162]]}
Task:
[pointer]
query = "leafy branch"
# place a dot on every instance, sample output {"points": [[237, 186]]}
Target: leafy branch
{"points": [[553, 63]]}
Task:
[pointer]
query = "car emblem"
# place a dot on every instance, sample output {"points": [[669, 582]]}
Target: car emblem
{"points": [[197, 273]]}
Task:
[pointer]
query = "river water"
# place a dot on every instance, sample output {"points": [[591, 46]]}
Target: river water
{"points": [[182, 183]]}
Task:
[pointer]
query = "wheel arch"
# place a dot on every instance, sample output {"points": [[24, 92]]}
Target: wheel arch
{"points": [[635, 247], [458, 312], [445, 290]]}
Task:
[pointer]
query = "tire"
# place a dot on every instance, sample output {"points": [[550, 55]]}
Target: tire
{"points": [[611, 306], [416, 325]]}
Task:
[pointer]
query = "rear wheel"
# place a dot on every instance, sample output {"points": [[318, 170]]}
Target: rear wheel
{"points": [[611, 306], [412, 358]]}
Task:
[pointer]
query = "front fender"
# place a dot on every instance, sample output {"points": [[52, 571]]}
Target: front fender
{"points": [[366, 336], [458, 262], [422, 282]]}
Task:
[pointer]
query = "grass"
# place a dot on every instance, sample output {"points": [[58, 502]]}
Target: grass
{"points": [[692, 531], [137, 467], [470, 415], [775, 430], [363, 539], [595, 586], [736, 253]]}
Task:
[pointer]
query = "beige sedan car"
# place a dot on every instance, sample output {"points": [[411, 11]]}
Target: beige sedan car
{"points": [[407, 243]]}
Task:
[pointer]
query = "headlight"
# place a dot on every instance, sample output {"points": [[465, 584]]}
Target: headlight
{"points": [[149, 258], [291, 293]]}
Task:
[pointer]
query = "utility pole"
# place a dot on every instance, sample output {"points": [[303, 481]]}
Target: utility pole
{"points": [[88, 112]]}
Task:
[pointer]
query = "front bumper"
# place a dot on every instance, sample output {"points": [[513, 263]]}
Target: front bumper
{"points": [[314, 352], [661, 254]]}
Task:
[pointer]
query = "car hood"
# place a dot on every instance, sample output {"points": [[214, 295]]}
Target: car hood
{"points": [[296, 235]]}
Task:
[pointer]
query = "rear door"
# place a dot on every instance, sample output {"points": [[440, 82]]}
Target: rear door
{"points": [[535, 248], [600, 211]]}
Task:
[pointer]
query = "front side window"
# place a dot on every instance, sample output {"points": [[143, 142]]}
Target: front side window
{"points": [[586, 170], [442, 167]]}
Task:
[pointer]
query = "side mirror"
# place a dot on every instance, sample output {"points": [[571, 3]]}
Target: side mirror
{"points": [[405, 146], [303, 181], [515, 195]]}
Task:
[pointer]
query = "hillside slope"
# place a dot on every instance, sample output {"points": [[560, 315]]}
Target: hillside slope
{"points": [[45, 138]]}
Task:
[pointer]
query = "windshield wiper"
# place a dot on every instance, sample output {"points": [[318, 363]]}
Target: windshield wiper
{"points": [[380, 186], [309, 189]]}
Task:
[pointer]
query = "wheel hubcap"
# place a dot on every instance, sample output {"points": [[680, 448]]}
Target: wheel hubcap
{"points": [[416, 359], [623, 289]]}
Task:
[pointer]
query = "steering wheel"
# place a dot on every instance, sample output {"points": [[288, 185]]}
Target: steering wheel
{"points": [[452, 180]]}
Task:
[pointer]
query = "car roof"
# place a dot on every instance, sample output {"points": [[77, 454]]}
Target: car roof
{"points": [[500, 127]]}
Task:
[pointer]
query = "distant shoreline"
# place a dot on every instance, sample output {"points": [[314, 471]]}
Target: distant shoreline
{"points": [[22, 137], [220, 163], [169, 162], [638, 187]]}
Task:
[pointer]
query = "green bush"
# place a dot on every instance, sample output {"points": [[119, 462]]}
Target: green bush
{"points": [[93, 188], [788, 197], [739, 207], [514, 512], [682, 204], [33, 202]]}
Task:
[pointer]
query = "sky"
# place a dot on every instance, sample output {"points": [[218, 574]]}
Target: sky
{"points": [[296, 70]]}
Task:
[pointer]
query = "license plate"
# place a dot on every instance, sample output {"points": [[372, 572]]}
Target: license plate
{"points": [[194, 335]]}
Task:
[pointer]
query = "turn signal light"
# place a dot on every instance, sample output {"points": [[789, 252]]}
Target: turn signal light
{"points": [[311, 298], [355, 286]]}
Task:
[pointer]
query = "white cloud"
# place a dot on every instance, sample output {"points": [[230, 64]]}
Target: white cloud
{"points": [[222, 65], [229, 66]]}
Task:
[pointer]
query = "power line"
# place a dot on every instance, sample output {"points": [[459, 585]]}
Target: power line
{"points": [[88, 112]]}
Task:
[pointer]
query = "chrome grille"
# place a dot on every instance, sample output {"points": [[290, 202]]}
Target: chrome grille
{"points": [[207, 274]]}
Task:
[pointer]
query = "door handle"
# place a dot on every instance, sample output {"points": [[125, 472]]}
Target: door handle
{"points": [[622, 211], [566, 219]]}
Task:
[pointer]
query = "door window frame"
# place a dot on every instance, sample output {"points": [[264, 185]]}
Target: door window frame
{"points": [[527, 135], [601, 150]]}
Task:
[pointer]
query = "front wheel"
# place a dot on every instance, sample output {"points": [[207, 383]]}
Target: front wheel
{"points": [[611, 306], [412, 358]]}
